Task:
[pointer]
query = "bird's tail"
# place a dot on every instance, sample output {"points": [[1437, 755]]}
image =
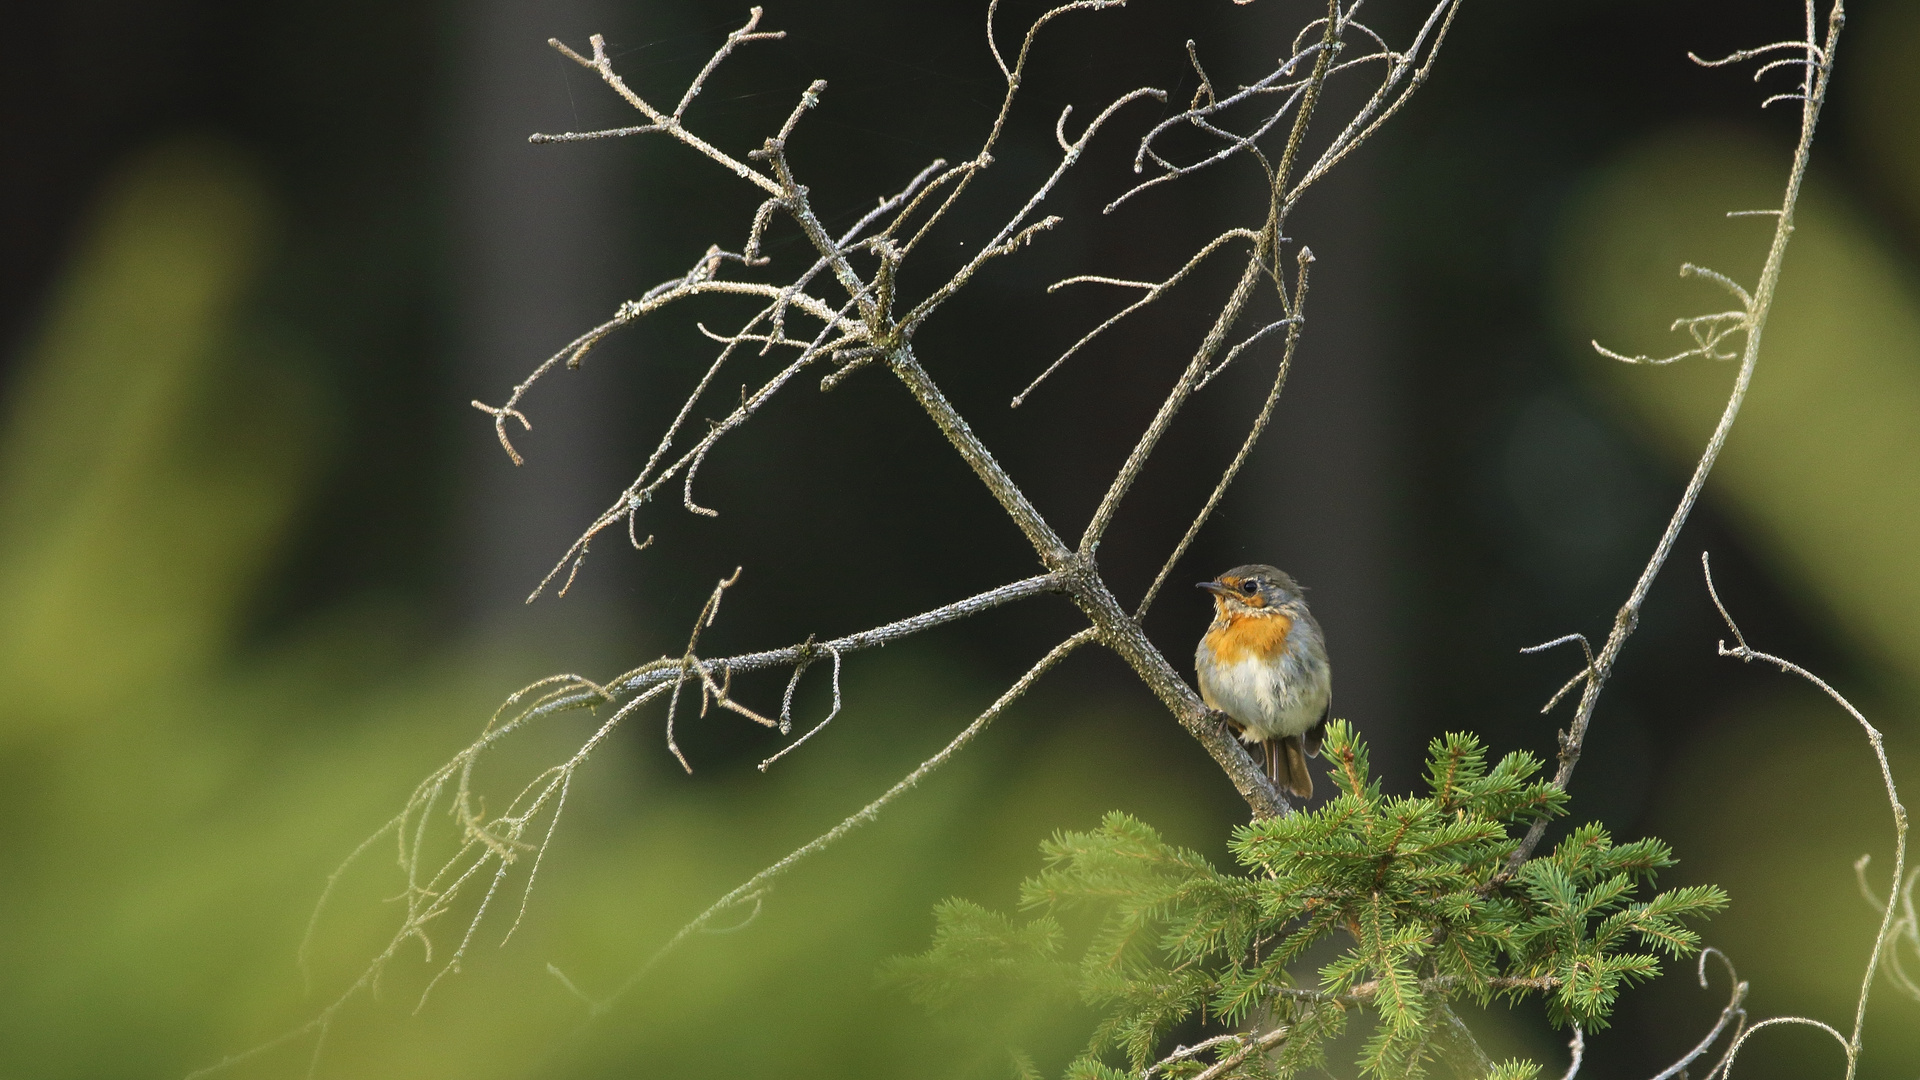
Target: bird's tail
{"points": [[1287, 766]]}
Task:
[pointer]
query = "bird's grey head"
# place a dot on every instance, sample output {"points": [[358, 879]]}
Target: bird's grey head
{"points": [[1255, 586]]}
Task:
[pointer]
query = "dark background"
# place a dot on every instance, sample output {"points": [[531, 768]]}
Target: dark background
{"points": [[1440, 473]]}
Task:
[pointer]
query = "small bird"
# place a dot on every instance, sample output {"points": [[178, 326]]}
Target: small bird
{"points": [[1263, 662]]}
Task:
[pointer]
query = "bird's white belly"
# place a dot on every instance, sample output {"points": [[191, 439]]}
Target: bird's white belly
{"points": [[1265, 698]]}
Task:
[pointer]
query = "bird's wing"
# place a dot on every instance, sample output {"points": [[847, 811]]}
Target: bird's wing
{"points": [[1317, 734]]}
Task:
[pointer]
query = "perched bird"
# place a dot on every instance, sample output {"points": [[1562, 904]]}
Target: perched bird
{"points": [[1263, 662]]}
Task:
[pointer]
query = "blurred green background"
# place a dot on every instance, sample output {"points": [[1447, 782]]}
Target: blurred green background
{"points": [[263, 566]]}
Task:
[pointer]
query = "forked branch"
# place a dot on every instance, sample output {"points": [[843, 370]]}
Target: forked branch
{"points": [[848, 287], [1752, 321], [1746, 654]]}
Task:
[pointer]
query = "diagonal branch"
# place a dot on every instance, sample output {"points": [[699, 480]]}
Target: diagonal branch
{"points": [[1263, 255], [657, 675], [1115, 629], [601, 65], [1294, 322], [1154, 291], [1625, 621]]}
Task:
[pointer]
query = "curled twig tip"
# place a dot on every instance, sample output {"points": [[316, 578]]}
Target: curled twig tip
{"points": [[1706, 570], [1584, 674]]}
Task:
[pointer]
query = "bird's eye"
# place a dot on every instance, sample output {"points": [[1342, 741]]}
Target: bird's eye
{"points": [[1250, 587]]}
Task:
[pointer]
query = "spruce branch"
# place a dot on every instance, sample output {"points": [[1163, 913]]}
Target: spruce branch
{"points": [[1399, 885]]}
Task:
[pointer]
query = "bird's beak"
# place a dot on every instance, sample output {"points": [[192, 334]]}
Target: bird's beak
{"points": [[1213, 587]]}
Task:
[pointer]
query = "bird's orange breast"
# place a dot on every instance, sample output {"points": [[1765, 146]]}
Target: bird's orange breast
{"points": [[1249, 637]]}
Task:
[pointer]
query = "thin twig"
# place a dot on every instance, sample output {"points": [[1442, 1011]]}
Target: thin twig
{"points": [[759, 882], [1295, 323], [1265, 251], [1154, 291], [1734, 1014], [814, 730], [1746, 654], [1577, 1052], [1583, 673]]}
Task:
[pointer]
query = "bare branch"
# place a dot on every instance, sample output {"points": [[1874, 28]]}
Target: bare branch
{"points": [[815, 730], [1577, 1047], [670, 124], [1154, 292], [984, 157], [1250, 340], [1905, 928], [650, 675], [697, 281], [1265, 251], [1380, 109], [1742, 652], [688, 464], [1097, 279], [745, 33], [1758, 308], [1798, 1021], [996, 246], [689, 663], [1115, 629], [859, 332], [1585, 673], [1722, 280], [1708, 331], [1735, 1014], [1169, 408], [1257, 1044], [992, 46], [1195, 116], [1406, 72], [1813, 51], [641, 490]]}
